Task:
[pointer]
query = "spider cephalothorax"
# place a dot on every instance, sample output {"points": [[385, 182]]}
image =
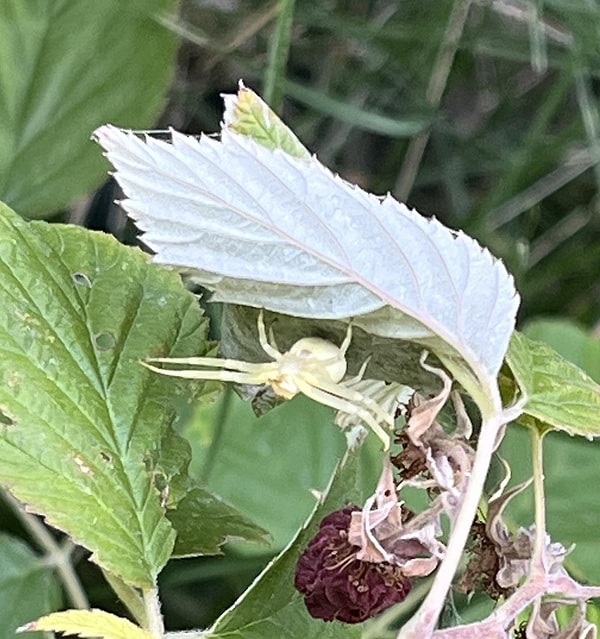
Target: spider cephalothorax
{"points": [[313, 367]]}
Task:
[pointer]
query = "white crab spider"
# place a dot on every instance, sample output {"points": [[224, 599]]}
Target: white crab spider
{"points": [[313, 367]]}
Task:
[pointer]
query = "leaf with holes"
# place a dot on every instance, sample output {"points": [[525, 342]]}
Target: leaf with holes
{"points": [[83, 424], [264, 228]]}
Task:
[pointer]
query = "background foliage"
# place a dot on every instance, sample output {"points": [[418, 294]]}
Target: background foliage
{"points": [[504, 94]]}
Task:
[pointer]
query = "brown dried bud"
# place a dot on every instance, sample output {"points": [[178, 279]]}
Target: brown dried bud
{"points": [[338, 586]]}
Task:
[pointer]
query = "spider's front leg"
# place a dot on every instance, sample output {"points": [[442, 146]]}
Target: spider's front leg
{"points": [[227, 370]]}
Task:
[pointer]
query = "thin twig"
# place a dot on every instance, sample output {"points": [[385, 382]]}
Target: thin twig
{"points": [[55, 554], [435, 90]]}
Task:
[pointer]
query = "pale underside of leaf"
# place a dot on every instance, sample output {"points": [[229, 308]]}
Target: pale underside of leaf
{"points": [[265, 229]]}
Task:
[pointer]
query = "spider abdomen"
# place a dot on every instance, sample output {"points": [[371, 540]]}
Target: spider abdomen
{"points": [[318, 354]]}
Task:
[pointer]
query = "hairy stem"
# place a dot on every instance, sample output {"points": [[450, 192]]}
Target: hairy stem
{"points": [[57, 555], [154, 620], [129, 596]]}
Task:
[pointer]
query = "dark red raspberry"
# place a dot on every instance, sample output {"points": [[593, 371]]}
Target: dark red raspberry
{"points": [[338, 586]]}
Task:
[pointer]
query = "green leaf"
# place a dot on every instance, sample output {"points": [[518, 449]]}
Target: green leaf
{"points": [[559, 394], [82, 421], [569, 340], [204, 523], [89, 623], [28, 587], [65, 68], [272, 608], [246, 114]]}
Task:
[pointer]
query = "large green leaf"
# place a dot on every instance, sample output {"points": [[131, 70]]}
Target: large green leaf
{"points": [[82, 422], [559, 394], [28, 588], [66, 67]]}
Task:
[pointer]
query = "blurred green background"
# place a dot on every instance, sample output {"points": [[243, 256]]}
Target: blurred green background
{"points": [[483, 113]]}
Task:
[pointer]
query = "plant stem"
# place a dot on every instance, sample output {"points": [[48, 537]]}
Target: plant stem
{"points": [[537, 454], [435, 90], [154, 620], [422, 624], [55, 554]]}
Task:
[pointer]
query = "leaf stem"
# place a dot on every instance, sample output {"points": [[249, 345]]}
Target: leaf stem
{"points": [[154, 619], [423, 623], [55, 554], [435, 90]]}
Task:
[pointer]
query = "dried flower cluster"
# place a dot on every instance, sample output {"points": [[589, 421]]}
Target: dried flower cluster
{"points": [[362, 559]]}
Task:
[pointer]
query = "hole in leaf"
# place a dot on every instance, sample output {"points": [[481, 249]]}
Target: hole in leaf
{"points": [[6, 419], [81, 279], [83, 467], [104, 341]]}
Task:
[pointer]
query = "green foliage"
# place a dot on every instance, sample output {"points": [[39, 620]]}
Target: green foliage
{"points": [[559, 394], [569, 340], [248, 115], [511, 158], [83, 311], [28, 587], [286, 454], [204, 523], [80, 414], [65, 68]]}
